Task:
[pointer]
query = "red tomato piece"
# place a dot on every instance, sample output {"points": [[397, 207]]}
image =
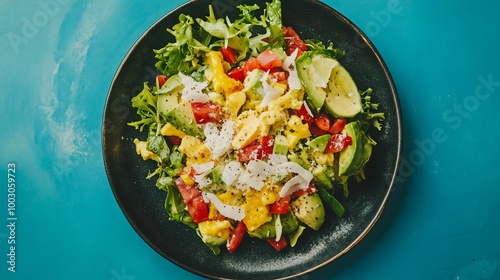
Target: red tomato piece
{"points": [[237, 73], [304, 115], [267, 147], [311, 189], [315, 130], [281, 206], [198, 209], [268, 60], [337, 126], [293, 41], [188, 193], [250, 65], [161, 79], [229, 54], [338, 142], [278, 245], [236, 237], [250, 152], [322, 122], [174, 140], [205, 112], [194, 201]]}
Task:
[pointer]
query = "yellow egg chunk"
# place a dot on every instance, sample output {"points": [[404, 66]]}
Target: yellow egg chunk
{"points": [[296, 130], [221, 229], [195, 150], [232, 197], [270, 193], [256, 212], [221, 82], [234, 101], [248, 130], [141, 149], [170, 130]]}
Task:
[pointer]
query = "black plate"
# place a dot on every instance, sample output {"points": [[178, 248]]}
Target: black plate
{"points": [[142, 203]]}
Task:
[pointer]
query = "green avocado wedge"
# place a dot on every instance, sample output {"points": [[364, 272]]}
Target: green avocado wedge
{"points": [[328, 84], [351, 159]]}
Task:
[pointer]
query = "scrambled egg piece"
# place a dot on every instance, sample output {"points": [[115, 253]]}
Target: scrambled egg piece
{"points": [[195, 150], [221, 82], [221, 229], [296, 130], [270, 193], [256, 212], [247, 126], [234, 101], [141, 149], [170, 130]]}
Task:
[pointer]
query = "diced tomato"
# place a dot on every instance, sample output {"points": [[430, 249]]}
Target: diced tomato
{"points": [[256, 150], [278, 75], [268, 60], [236, 237], [338, 142], [174, 140], [267, 147], [237, 74], [337, 126], [304, 115], [281, 206], [322, 122], [198, 209], [161, 79], [205, 112], [250, 152], [311, 189], [229, 54], [293, 41], [193, 199], [315, 130], [250, 65], [278, 245]]}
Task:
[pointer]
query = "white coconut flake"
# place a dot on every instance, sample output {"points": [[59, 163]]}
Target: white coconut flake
{"points": [[231, 172], [293, 77], [193, 90], [293, 185], [200, 168], [229, 211], [294, 167], [270, 93], [219, 141]]}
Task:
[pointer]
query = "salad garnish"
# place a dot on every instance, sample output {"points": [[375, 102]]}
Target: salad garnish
{"points": [[253, 129]]}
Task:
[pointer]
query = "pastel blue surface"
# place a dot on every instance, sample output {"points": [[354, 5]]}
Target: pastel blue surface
{"points": [[59, 57]]}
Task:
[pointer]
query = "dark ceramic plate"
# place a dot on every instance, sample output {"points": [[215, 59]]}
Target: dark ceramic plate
{"points": [[142, 203]]}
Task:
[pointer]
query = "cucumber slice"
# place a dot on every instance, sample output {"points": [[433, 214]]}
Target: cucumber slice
{"points": [[343, 99]]}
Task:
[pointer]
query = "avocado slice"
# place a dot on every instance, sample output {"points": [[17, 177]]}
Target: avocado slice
{"points": [[351, 159], [323, 175], [319, 143], [267, 230], [289, 222], [280, 145], [309, 209], [181, 116], [315, 95]]}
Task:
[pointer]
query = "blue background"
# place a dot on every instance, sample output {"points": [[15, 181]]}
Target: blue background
{"points": [[58, 59]]}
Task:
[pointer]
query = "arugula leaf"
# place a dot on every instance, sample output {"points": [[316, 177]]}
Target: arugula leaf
{"points": [[158, 145], [369, 116], [176, 209], [146, 103], [184, 54]]}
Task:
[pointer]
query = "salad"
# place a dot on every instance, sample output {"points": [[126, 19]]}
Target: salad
{"points": [[255, 131]]}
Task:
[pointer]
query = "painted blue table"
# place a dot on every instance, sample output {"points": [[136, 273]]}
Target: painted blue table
{"points": [[58, 58]]}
